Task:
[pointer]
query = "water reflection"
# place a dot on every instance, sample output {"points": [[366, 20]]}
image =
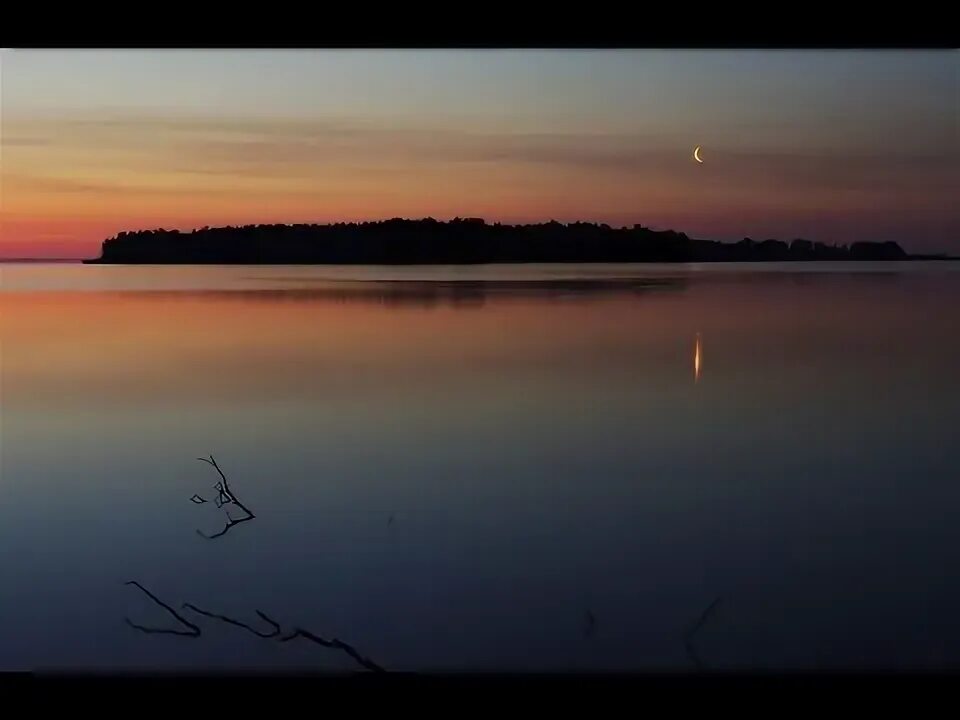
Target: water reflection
{"points": [[432, 293], [528, 485], [696, 360]]}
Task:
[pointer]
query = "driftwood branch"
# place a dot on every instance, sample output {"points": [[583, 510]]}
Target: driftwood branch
{"points": [[193, 631], [689, 635], [225, 496]]}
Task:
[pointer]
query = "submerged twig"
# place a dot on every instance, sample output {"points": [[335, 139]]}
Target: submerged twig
{"points": [[238, 623], [589, 624], [688, 636], [336, 644], [277, 632], [194, 631], [225, 496]]}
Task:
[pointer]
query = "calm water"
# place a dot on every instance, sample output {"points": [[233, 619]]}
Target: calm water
{"points": [[451, 467]]}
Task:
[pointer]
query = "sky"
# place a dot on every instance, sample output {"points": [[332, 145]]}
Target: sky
{"points": [[833, 146]]}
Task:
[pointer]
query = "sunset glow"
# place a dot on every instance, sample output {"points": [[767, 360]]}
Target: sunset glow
{"points": [[836, 147]]}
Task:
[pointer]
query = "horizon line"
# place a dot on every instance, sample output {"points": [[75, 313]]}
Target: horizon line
{"points": [[944, 254]]}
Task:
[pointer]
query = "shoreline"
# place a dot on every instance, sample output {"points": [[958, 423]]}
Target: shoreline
{"points": [[100, 261]]}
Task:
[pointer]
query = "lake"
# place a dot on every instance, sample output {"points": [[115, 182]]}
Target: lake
{"points": [[525, 468]]}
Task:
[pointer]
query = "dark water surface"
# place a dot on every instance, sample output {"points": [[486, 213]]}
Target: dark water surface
{"points": [[497, 468]]}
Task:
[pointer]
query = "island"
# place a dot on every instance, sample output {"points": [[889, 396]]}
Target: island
{"points": [[461, 241]]}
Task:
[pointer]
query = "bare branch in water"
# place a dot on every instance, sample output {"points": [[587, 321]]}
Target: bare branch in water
{"points": [[213, 463], [237, 623], [337, 645], [230, 523], [688, 636], [194, 631], [589, 624], [270, 620], [224, 497]]}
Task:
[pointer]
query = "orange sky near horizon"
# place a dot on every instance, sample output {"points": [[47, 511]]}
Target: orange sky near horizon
{"points": [[154, 139]]}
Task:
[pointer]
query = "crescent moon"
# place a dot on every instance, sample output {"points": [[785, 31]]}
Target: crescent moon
{"points": [[696, 154]]}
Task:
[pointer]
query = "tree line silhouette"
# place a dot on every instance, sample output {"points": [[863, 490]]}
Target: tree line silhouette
{"points": [[459, 241]]}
